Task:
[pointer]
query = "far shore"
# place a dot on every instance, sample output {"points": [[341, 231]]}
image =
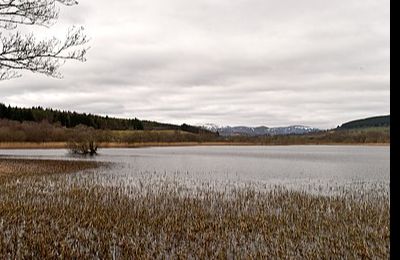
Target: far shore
{"points": [[63, 145]]}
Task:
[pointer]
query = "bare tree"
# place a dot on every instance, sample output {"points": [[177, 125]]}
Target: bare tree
{"points": [[84, 141], [24, 52]]}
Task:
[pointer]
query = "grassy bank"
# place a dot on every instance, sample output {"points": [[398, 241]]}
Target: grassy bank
{"points": [[63, 145], [47, 212]]}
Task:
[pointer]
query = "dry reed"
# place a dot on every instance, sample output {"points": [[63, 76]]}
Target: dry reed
{"points": [[60, 215]]}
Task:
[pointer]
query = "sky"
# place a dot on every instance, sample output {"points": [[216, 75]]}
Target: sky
{"points": [[229, 62]]}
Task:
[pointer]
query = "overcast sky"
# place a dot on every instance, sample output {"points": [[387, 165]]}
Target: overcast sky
{"points": [[229, 62]]}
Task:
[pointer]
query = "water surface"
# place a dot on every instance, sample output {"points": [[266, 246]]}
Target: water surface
{"points": [[305, 167]]}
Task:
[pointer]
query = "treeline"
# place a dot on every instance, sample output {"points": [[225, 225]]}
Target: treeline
{"points": [[67, 118], [70, 119], [14, 131], [152, 125], [378, 121], [28, 131], [37, 124], [352, 136]]}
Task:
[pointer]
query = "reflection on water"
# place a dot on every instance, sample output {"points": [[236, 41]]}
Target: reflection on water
{"points": [[304, 167]]}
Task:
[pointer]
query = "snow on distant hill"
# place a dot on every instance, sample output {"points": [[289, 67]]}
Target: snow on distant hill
{"points": [[258, 131]]}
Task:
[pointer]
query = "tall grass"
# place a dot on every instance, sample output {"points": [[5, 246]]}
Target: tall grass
{"points": [[59, 215]]}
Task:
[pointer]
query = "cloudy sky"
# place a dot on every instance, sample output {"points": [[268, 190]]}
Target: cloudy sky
{"points": [[229, 62]]}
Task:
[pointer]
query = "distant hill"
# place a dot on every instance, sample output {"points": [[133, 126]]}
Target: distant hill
{"points": [[70, 119], [259, 131], [377, 121]]}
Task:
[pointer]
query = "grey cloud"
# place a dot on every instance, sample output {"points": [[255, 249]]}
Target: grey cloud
{"points": [[231, 62]]}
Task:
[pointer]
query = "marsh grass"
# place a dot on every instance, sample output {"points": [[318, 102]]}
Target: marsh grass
{"points": [[14, 168], [55, 215]]}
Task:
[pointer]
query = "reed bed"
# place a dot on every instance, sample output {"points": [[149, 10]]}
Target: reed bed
{"points": [[63, 215], [14, 168]]}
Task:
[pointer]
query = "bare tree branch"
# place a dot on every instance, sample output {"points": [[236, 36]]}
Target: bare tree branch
{"points": [[24, 52], [30, 12]]}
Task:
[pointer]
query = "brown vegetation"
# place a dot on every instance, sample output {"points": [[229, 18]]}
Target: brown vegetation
{"points": [[63, 216], [14, 131], [354, 136], [11, 168], [44, 135]]}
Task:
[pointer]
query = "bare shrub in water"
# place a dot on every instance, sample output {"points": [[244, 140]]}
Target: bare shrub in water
{"points": [[84, 141], [83, 147]]}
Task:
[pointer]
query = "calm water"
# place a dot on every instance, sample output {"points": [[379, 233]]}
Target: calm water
{"points": [[293, 166]]}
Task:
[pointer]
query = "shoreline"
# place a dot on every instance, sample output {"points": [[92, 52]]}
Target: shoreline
{"points": [[63, 145]]}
